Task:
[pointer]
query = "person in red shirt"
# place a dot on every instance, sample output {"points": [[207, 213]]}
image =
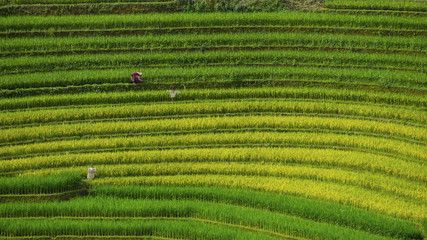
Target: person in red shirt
{"points": [[135, 77]]}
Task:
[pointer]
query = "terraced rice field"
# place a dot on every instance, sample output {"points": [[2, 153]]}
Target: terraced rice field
{"points": [[288, 125]]}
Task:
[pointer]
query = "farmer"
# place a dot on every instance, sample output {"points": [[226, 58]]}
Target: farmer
{"points": [[91, 172], [173, 92], [135, 77]]}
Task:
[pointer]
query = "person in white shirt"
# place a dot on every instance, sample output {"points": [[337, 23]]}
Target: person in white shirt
{"points": [[91, 172], [173, 92]]}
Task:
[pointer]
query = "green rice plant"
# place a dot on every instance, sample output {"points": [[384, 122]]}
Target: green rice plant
{"points": [[143, 97], [253, 218], [109, 112], [129, 21], [424, 224], [377, 5], [163, 229], [196, 41], [347, 195], [357, 157], [285, 204], [40, 185], [209, 123]]}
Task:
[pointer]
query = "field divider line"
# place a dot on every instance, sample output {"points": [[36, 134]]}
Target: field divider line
{"points": [[43, 194], [373, 12], [204, 115], [240, 100], [215, 29], [206, 221], [122, 2], [213, 65], [216, 130], [35, 172], [59, 196], [277, 82], [88, 237], [25, 237], [113, 237], [214, 48]]}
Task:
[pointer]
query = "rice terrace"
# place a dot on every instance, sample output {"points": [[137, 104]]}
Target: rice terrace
{"points": [[213, 119]]}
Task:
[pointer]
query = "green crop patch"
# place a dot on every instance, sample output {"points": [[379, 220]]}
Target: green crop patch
{"points": [[409, 133], [159, 229], [128, 21], [244, 125], [152, 97], [20, 2], [233, 75], [411, 5], [371, 181], [103, 207], [193, 42], [355, 156], [309, 209], [206, 108], [43, 185]]}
